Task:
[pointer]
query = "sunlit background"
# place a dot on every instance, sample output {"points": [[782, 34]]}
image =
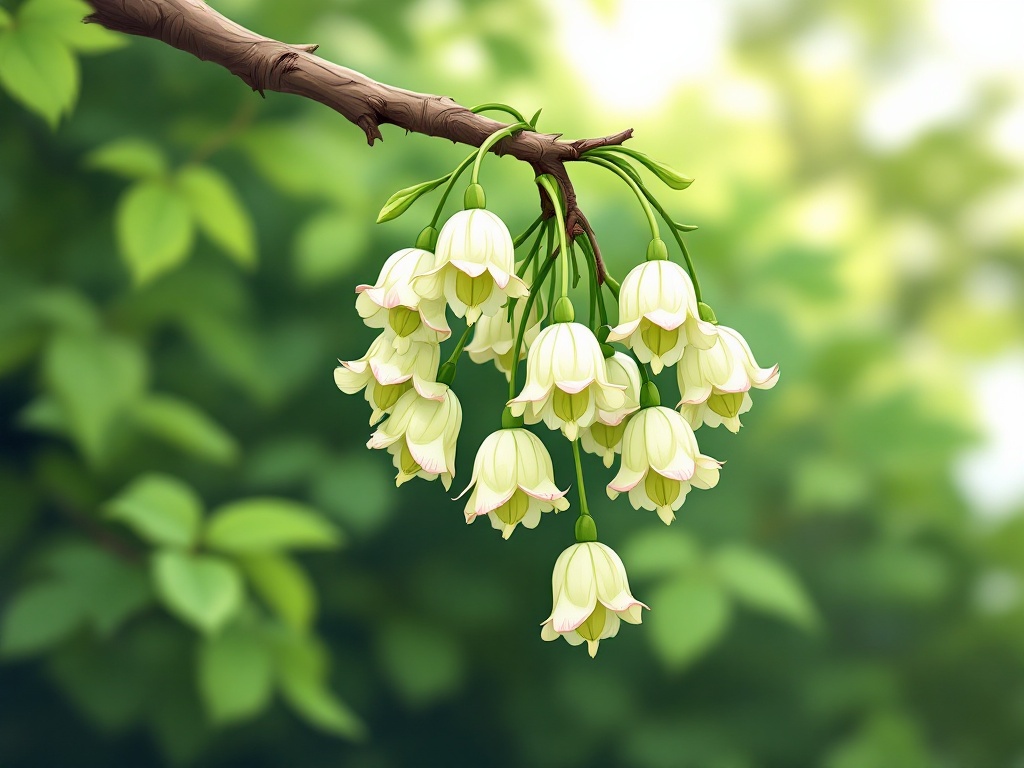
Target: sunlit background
{"points": [[860, 201]]}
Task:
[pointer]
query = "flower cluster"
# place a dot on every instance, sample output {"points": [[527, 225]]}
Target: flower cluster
{"points": [[603, 400]]}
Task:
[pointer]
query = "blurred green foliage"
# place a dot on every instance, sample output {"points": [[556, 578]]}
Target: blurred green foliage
{"points": [[179, 474]]}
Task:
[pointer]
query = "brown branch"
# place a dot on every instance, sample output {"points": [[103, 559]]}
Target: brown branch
{"points": [[269, 65]]}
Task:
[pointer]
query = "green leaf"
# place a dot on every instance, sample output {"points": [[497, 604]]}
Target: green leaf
{"points": [[658, 552], [160, 508], [64, 18], [403, 199], [284, 586], [668, 175], [154, 229], [129, 157], [267, 525], [217, 210], [302, 674], [203, 591], [94, 378], [183, 425], [765, 584], [688, 616], [328, 245], [37, 69], [39, 617], [235, 674]]}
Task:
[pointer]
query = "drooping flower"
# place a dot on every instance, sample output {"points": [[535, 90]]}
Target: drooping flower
{"points": [[474, 266], [590, 596], [715, 382], [514, 481], [494, 338], [566, 381], [604, 437], [661, 462], [387, 374], [393, 305], [658, 314], [421, 435]]}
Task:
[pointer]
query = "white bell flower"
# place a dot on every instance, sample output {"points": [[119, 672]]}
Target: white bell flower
{"points": [[604, 437], [658, 314], [494, 338], [566, 381], [474, 266], [660, 462], [421, 435], [590, 596], [715, 382], [387, 374], [514, 481], [393, 305]]}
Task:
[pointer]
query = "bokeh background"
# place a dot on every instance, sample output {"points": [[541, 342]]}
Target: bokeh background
{"points": [[860, 202]]}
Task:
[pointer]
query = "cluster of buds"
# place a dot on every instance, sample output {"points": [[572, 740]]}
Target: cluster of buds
{"points": [[603, 400]]}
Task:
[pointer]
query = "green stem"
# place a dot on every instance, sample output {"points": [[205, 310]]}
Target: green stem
{"points": [[457, 352], [549, 185], [580, 489], [454, 176], [489, 142], [494, 106], [522, 238], [588, 251], [651, 219], [520, 335], [534, 250]]}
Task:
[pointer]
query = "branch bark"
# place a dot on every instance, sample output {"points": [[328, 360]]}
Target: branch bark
{"points": [[270, 65]]}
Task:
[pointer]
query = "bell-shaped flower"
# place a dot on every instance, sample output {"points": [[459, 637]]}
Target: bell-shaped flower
{"points": [[474, 266], [604, 437], [590, 596], [393, 305], [421, 435], [514, 481], [715, 382], [387, 374], [658, 314], [494, 338], [566, 381], [661, 462]]}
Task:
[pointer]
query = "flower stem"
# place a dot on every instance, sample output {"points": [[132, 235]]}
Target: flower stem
{"points": [[522, 238], [489, 142], [586, 529], [596, 293], [453, 177], [651, 219], [517, 351], [446, 374], [494, 106], [550, 186]]}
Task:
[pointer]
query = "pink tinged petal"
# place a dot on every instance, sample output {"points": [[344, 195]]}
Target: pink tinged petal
{"points": [[431, 390], [623, 330], [766, 378], [547, 632], [632, 615], [626, 479], [471, 268], [573, 387], [666, 319]]}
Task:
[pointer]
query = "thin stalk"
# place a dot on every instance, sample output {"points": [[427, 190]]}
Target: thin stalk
{"points": [[534, 291], [522, 238], [493, 106], [548, 185], [489, 142], [651, 220], [580, 488], [453, 359], [454, 176], [588, 251]]}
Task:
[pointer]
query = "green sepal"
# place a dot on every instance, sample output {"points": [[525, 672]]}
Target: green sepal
{"points": [[446, 374], [586, 529], [607, 350], [474, 197], [427, 239], [649, 395], [706, 313], [403, 199], [535, 118], [684, 227], [656, 249], [508, 421], [603, 332], [668, 175], [563, 312]]}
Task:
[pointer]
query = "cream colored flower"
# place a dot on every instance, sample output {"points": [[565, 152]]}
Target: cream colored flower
{"points": [[715, 382], [604, 437], [566, 381], [590, 596], [494, 338], [387, 374], [421, 435], [658, 314], [474, 266], [393, 305], [514, 481], [660, 462]]}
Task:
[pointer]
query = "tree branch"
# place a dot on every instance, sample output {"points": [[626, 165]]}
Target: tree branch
{"points": [[269, 65]]}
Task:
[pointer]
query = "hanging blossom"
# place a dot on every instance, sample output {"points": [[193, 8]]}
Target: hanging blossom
{"points": [[393, 305], [566, 381], [590, 596], [474, 266], [494, 338], [715, 382], [421, 435], [660, 463], [604, 437], [514, 481], [658, 314], [387, 374]]}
